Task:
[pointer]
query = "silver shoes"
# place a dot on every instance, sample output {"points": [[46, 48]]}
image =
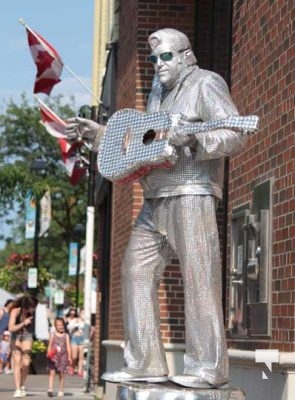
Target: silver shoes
{"points": [[196, 382], [183, 380], [121, 376]]}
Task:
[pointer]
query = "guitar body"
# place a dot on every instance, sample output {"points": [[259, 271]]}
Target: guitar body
{"points": [[136, 142], [133, 144]]}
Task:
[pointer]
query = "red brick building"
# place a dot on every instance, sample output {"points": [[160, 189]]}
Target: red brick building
{"points": [[251, 44]]}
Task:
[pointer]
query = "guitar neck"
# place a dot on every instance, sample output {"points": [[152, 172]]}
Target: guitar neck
{"points": [[247, 124]]}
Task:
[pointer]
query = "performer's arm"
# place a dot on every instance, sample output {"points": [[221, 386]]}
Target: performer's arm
{"points": [[217, 104], [214, 102]]}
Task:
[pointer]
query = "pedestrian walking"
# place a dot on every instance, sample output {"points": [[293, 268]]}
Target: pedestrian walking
{"points": [[4, 316], [21, 327], [59, 356], [76, 326], [5, 353]]}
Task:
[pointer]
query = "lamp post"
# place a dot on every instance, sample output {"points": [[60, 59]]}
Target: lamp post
{"points": [[38, 166]]}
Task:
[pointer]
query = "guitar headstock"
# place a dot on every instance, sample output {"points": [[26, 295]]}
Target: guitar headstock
{"points": [[247, 124]]}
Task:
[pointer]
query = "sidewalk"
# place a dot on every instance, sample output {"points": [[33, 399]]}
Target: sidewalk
{"points": [[37, 386]]}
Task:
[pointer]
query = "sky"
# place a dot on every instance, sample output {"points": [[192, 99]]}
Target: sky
{"points": [[68, 26]]}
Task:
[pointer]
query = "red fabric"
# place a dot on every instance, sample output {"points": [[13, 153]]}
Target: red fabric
{"points": [[55, 126], [77, 174], [48, 62], [71, 160], [51, 353]]}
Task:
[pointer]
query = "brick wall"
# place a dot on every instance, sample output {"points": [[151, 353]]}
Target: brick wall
{"points": [[263, 83]]}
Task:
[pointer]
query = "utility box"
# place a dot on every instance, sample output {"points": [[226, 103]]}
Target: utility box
{"points": [[250, 265]]}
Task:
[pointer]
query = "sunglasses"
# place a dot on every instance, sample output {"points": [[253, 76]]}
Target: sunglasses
{"points": [[164, 57]]}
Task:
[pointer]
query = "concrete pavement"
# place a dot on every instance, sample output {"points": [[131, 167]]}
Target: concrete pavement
{"points": [[37, 386]]}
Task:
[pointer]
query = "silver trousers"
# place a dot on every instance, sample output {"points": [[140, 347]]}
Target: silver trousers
{"points": [[185, 226]]}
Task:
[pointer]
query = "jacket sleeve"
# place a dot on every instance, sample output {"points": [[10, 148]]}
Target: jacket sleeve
{"points": [[216, 103]]}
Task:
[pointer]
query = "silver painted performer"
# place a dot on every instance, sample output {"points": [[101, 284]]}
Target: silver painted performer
{"points": [[178, 218]]}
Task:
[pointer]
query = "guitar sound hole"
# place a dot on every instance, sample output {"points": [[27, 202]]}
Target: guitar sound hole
{"points": [[149, 137]]}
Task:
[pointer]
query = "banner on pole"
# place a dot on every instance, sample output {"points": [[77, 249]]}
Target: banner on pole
{"points": [[32, 278], [73, 258], [59, 297], [45, 213], [83, 260], [30, 204]]}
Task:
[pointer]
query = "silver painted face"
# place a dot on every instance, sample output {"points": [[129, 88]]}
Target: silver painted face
{"points": [[168, 71]]}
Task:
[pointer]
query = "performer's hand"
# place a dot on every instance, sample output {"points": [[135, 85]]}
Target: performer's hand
{"points": [[84, 129], [178, 137]]}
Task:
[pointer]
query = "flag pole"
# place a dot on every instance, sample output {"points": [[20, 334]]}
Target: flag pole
{"points": [[83, 84], [66, 67]]}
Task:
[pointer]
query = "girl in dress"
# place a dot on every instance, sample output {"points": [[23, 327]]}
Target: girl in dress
{"points": [[59, 356]]}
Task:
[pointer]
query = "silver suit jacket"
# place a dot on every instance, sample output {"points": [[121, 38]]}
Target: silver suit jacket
{"points": [[199, 95]]}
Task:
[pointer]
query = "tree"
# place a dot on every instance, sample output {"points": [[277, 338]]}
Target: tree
{"points": [[13, 275], [22, 140]]}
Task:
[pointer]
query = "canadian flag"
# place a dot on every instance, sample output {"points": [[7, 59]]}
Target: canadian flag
{"points": [[55, 126], [48, 62], [72, 160], [52, 122]]}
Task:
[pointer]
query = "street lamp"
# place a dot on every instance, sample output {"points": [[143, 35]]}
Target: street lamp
{"points": [[39, 166]]}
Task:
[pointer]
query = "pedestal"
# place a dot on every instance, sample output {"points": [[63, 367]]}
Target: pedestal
{"points": [[169, 391]]}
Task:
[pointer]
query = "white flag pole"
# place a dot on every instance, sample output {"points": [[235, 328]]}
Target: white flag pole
{"points": [[81, 83]]}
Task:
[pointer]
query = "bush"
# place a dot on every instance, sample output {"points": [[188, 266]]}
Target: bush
{"points": [[38, 347]]}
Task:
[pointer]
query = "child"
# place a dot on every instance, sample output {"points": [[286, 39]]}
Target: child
{"points": [[5, 351], [59, 355]]}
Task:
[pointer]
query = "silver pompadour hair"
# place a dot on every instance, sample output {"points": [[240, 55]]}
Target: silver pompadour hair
{"points": [[176, 39]]}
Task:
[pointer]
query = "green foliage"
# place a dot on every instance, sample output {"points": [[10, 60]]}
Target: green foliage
{"points": [[22, 140], [70, 294], [38, 346], [14, 275]]}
